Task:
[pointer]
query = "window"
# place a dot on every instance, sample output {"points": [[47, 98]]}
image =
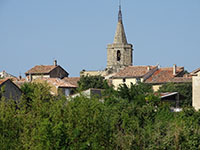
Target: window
{"points": [[118, 55], [124, 80], [137, 80]]}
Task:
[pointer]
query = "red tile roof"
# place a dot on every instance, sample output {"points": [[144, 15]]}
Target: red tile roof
{"points": [[3, 80], [72, 80], [181, 79], [39, 69], [133, 71], [58, 82], [164, 75]]}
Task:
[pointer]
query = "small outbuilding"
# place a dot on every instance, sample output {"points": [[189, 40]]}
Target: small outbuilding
{"points": [[9, 90]]}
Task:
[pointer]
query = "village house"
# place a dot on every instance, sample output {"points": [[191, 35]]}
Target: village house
{"points": [[46, 71], [153, 75], [9, 90], [132, 75], [58, 86], [167, 75]]}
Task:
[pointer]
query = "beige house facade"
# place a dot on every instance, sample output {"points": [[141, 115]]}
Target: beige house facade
{"points": [[196, 92]]}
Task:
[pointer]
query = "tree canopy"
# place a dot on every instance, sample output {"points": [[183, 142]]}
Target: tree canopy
{"points": [[127, 118], [87, 82]]}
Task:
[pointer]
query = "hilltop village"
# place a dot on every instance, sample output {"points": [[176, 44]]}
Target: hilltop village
{"points": [[119, 70]]}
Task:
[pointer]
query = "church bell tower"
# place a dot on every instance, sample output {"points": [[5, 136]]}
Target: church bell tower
{"points": [[119, 54]]}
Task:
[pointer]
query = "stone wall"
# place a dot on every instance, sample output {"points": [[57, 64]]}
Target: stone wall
{"points": [[125, 55]]}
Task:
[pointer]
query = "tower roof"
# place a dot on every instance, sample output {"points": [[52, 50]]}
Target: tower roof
{"points": [[120, 36]]}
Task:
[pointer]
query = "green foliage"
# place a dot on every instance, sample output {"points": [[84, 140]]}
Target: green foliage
{"points": [[135, 93], [33, 91], [130, 118], [184, 89], [87, 82], [2, 90]]}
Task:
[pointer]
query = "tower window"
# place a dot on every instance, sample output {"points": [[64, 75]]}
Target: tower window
{"points": [[118, 55]]}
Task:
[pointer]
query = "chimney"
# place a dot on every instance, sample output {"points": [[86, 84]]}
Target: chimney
{"points": [[55, 63], [174, 69], [20, 77]]}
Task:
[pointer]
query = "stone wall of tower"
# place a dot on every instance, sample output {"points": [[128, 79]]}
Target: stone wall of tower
{"points": [[125, 56]]}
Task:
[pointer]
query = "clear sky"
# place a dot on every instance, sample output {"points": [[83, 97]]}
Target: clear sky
{"points": [[76, 33]]}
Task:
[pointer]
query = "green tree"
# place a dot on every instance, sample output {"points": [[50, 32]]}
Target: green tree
{"points": [[136, 92], [87, 82], [10, 125], [35, 91], [88, 125]]}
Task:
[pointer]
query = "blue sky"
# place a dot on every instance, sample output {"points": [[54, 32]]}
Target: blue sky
{"points": [[76, 33]]}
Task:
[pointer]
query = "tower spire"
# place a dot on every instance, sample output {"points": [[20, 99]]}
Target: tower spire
{"points": [[120, 36], [119, 53], [120, 12]]}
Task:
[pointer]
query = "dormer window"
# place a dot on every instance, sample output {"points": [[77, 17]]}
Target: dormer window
{"points": [[118, 55]]}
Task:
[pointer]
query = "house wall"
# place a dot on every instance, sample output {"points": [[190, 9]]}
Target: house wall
{"points": [[198, 73], [156, 87], [58, 72], [11, 91], [196, 92], [39, 76], [128, 81]]}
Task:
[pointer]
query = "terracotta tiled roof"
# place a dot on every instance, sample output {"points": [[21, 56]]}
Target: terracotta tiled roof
{"points": [[72, 80], [3, 80], [133, 71], [181, 79], [39, 69], [164, 75], [57, 82]]}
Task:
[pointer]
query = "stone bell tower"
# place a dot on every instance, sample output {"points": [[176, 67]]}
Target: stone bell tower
{"points": [[119, 54]]}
